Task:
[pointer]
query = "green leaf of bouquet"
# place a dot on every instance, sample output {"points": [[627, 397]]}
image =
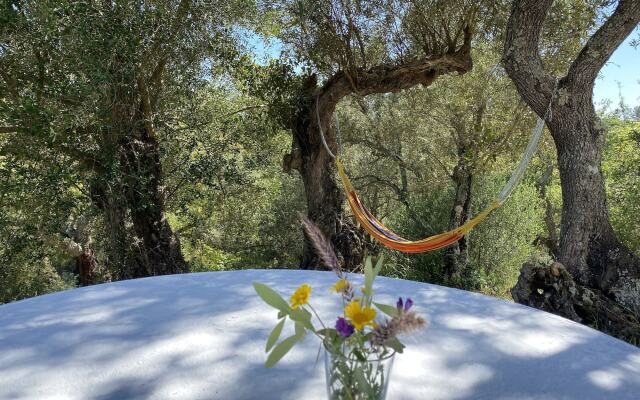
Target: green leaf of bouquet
{"points": [[280, 350], [275, 335], [300, 331], [281, 314], [368, 273], [271, 297], [395, 344], [359, 355], [368, 281], [378, 267], [362, 381], [326, 332], [303, 316], [389, 310]]}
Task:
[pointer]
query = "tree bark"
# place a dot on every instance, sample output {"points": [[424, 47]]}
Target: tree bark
{"points": [[588, 248], [86, 265], [553, 289], [132, 195], [456, 256], [121, 260], [324, 198], [160, 251]]}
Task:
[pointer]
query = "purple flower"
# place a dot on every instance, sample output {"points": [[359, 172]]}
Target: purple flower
{"points": [[344, 328], [407, 304]]}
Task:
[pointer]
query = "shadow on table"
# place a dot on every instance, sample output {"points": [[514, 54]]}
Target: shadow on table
{"points": [[201, 336]]}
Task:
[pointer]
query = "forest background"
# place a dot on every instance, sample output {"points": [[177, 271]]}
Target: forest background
{"points": [[141, 138]]}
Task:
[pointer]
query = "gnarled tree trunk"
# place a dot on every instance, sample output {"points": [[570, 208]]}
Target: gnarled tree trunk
{"points": [[139, 240], [159, 247], [120, 256], [594, 257], [588, 246], [324, 196]]}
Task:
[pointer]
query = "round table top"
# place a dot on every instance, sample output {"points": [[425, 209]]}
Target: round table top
{"points": [[202, 336]]}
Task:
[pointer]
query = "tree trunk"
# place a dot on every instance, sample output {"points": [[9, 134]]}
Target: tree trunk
{"points": [[160, 251], [596, 260], [324, 196], [553, 289], [86, 265], [456, 256], [120, 255], [588, 246], [132, 196]]}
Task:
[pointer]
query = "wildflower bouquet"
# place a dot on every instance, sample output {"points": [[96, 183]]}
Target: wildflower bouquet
{"points": [[359, 345]]}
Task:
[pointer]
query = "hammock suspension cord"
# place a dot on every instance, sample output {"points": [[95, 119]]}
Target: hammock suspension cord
{"points": [[381, 233]]}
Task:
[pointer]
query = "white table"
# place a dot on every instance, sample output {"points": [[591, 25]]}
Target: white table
{"points": [[202, 336]]}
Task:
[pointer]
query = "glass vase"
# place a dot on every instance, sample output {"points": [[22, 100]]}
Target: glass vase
{"points": [[351, 379]]}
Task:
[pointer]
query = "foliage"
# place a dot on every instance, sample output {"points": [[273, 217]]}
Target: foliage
{"points": [[621, 167], [500, 246]]}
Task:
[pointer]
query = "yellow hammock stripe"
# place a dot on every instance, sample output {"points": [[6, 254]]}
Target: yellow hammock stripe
{"points": [[385, 236]]}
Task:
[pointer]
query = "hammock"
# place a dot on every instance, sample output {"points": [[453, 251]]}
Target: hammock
{"points": [[381, 233]]}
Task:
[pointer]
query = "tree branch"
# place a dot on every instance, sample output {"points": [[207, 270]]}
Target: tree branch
{"points": [[388, 79], [243, 109], [385, 151], [178, 21], [147, 113], [9, 129], [585, 68], [521, 57]]}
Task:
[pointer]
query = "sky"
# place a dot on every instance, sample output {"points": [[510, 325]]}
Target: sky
{"points": [[623, 67]]}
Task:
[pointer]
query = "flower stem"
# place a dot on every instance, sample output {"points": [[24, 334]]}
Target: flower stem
{"points": [[316, 314]]}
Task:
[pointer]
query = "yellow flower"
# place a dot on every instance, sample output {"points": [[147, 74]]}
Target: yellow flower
{"points": [[359, 317], [340, 286], [300, 296]]}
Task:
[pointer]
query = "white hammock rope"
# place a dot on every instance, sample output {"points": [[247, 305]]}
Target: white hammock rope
{"points": [[536, 134], [518, 173]]}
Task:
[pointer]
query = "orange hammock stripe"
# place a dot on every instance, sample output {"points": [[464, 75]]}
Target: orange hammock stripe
{"points": [[393, 241]]}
